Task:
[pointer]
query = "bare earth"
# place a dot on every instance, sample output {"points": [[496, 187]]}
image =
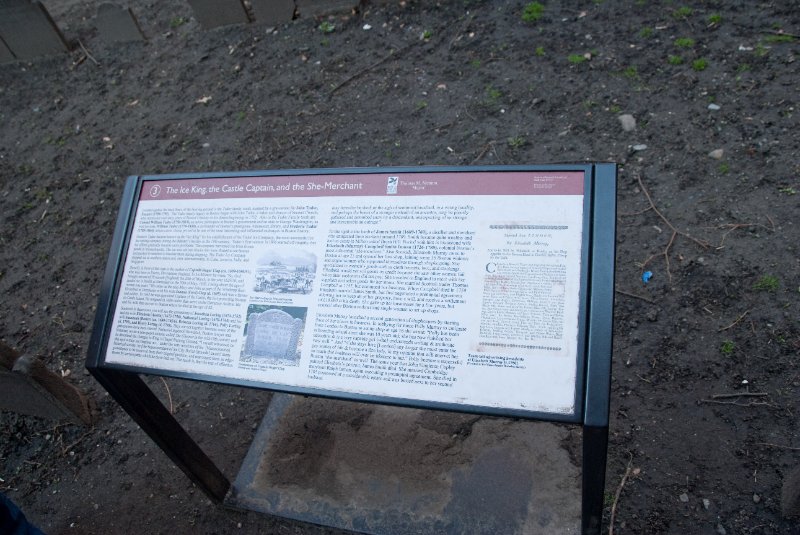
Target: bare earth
{"points": [[706, 379]]}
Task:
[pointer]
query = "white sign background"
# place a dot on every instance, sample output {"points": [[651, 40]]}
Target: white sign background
{"points": [[188, 282]]}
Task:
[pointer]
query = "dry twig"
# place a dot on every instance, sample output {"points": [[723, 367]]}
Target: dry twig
{"points": [[675, 232], [169, 396], [392, 53], [86, 52], [742, 395], [750, 404], [740, 318], [66, 449], [8, 485], [734, 226], [486, 148], [618, 493], [647, 299], [780, 32]]}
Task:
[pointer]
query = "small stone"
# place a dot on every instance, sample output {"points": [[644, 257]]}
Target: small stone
{"points": [[716, 154], [701, 260], [713, 107], [628, 122], [721, 529], [756, 498], [684, 498], [639, 148], [706, 503]]}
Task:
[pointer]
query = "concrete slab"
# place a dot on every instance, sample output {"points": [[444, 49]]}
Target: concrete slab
{"points": [[273, 12], [5, 53], [117, 24], [317, 8], [28, 31], [398, 471], [213, 13]]}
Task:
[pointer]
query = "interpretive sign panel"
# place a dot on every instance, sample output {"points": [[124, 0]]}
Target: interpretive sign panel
{"points": [[456, 287]]}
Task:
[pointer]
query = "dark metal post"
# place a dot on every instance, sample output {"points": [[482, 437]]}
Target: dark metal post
{"points": [[595, 448], [144, 407], [598, 346]]}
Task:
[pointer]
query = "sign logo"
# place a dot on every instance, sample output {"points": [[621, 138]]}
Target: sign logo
{"points": [[391, 185], [155, 191]]}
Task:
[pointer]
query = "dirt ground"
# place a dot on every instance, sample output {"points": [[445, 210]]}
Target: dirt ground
{"points": [[706, 378]]}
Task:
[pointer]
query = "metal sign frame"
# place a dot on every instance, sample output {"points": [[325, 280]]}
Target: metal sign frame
{"points": [[595, 324]]}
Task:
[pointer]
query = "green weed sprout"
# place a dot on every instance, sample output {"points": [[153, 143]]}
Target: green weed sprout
{"points": [[767, 283], [516, 142], [533, 12], [682, 12]]}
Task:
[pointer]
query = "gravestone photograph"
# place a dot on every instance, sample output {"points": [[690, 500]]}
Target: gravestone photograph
{"points": [[272, 334]]}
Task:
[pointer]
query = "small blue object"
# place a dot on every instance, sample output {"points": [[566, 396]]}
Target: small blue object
{"points": [[646, 276]]}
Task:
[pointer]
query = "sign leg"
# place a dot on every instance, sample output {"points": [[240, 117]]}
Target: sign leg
{"points": [[144, 407], [595, 448]]}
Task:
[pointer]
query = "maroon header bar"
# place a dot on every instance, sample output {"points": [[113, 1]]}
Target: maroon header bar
{"points": [[369, 184]]}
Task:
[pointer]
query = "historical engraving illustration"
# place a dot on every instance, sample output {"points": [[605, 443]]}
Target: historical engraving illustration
{"points": [[285, 271]]}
